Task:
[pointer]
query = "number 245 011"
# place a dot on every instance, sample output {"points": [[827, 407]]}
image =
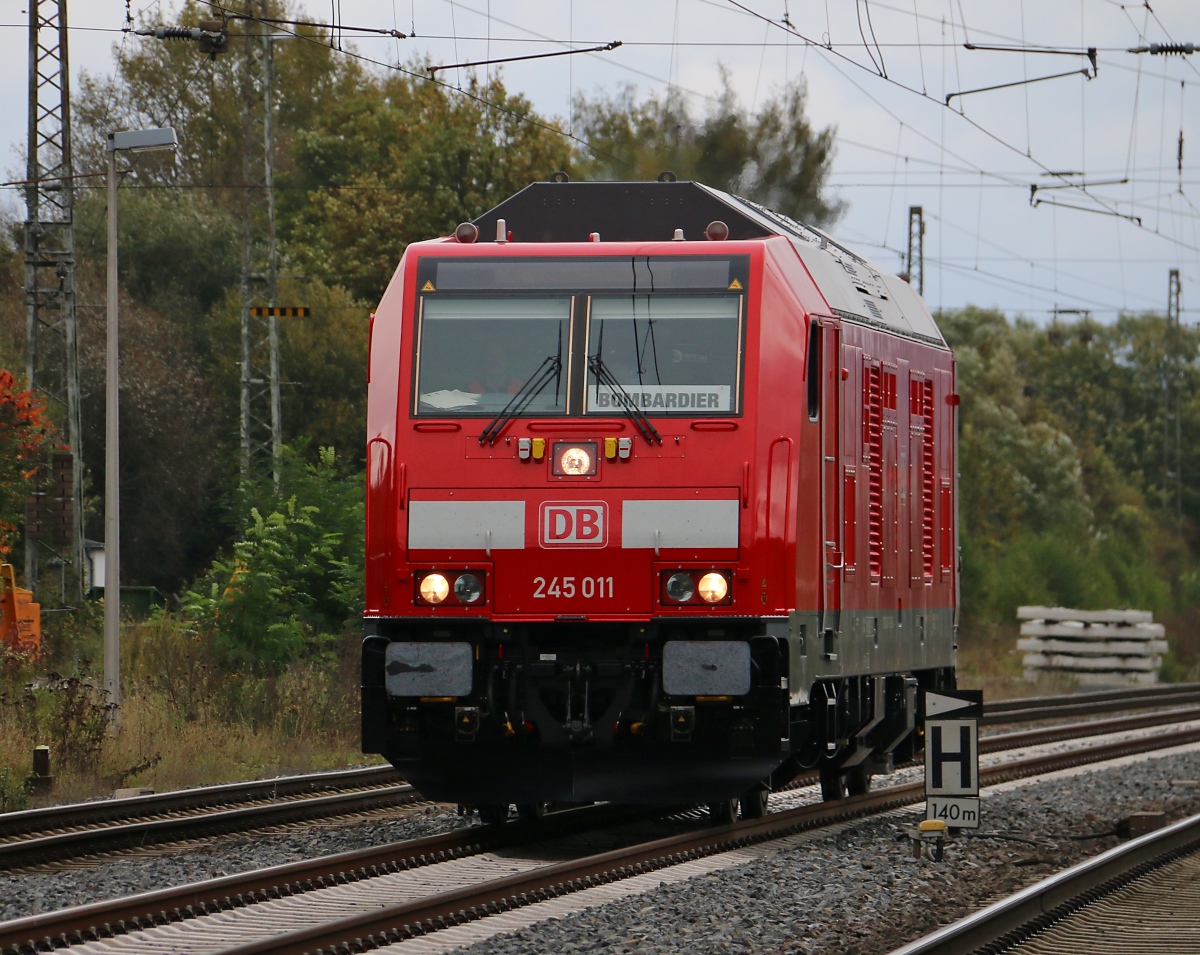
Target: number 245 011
{"points": [[568, 587]]}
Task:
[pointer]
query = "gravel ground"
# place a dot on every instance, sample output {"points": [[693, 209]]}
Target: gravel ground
{"points": [[855, 891], [29, 893], [859, 891]]}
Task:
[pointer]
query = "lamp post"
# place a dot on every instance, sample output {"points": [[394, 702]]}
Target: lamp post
{"points": [[136, 141]]}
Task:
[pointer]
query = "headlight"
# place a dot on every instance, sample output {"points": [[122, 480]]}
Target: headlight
{"points": [[680, 587], [713, 588], [467, 588], [574, 458], [434, 588], [575, 461]]}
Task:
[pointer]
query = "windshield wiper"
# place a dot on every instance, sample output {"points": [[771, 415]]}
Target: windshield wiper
{"points": [[636, 415], [549, 369]]}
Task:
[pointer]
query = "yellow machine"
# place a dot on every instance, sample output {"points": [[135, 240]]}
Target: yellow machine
{"points": [[20, 617]]}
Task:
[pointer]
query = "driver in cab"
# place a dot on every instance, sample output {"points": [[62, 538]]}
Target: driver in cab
{"points": [[494, 374]]}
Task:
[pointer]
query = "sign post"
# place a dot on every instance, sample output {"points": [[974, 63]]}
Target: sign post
{"points": [[952, 756]]}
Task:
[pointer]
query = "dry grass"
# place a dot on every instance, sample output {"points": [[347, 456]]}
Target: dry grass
{"points": [[988, 659], [183, 720]]}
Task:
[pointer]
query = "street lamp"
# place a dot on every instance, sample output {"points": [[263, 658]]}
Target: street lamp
{"points": [[134, 141]]}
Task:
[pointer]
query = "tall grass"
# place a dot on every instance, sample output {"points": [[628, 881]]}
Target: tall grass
{"points": [[185, 718]]}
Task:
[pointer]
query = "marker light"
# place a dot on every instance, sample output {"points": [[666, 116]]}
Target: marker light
{"points": [[713, 588], [467, 588], [434, 588], [716, 231], [680, 587]]}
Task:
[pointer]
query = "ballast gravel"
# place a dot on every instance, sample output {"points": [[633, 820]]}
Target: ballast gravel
{"points": [[30, 893], [859, 891]]}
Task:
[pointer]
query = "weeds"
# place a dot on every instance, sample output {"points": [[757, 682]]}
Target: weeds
{"points": [[14, 790], [185, 719]]}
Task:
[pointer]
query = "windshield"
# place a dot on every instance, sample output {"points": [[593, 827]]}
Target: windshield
{"points": [[475, 354], [670, 354]]}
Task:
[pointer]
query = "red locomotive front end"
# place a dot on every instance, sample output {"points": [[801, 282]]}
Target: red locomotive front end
{"points": [[595, 509]]}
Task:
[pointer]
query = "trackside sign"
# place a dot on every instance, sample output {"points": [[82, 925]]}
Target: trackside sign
{"points": [[952, 756], [574, 524]]}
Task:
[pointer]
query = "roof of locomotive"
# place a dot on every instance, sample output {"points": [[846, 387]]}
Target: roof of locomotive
{"points": [[651, 211]]}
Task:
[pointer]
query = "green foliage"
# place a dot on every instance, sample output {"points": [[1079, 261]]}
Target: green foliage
{"points": [[774, 157], [14, 790], [69, 713], [1063, 493], [324, 359], [179, 252], [295, 576], [402, 160]]}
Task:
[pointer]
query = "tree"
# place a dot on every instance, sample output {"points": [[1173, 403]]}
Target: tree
{"points": [[324, 362], [170, 461], [406, 159], [25, 431], [774, 157], [1061, 463]]}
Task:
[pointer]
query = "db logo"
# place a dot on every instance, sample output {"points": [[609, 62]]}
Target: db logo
{"points": [[574, 525]]}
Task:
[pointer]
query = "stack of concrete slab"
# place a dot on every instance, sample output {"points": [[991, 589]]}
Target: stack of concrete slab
{"points": [[1096, 647]]}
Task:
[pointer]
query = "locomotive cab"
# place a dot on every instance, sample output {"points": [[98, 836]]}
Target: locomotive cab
{"points": [[645, 522]]}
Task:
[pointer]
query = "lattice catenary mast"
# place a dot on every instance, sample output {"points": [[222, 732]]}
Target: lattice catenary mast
{"points": [[916, 249], [1173, 442], [52, 358], [261, 419]]}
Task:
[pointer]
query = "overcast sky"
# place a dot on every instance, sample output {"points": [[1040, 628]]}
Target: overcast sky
{"points": [[970, 166]]}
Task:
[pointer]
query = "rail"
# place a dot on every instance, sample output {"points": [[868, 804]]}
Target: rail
{"points": [[142, 832], [1034, 708], [391, 923], [1033, 909], [58, 832], [106, 810]]}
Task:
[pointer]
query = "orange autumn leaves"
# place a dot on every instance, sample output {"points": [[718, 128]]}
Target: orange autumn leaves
{"points": [[25, 429]]}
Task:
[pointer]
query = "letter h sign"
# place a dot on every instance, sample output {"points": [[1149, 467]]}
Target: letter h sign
{"points": [[951, 758]]}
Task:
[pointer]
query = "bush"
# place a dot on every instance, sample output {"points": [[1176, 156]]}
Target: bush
{"points": [[295, 578]]}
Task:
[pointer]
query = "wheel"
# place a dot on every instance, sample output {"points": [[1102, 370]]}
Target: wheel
{"points": [[531, 811], [833, 785], [723, 813], [494, 815], [858, 781], [754, 802]]}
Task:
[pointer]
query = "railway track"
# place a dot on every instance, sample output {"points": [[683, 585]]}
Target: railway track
{"points": [[57, 833], [1142, 896], [348, 902], [1034, 709]]}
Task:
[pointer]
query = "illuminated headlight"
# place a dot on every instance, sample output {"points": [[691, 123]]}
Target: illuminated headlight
{"points": [[467, 588], [680, 587], [434, 588], [574, 458], [713, 588], [575, 461], [695, 588]]}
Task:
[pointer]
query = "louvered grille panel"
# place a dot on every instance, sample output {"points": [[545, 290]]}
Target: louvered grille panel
{"points": [[873, 400], [928, 480]]}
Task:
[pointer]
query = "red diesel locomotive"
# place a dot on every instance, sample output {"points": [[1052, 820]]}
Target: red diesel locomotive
{"points": [[661, 506]]}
